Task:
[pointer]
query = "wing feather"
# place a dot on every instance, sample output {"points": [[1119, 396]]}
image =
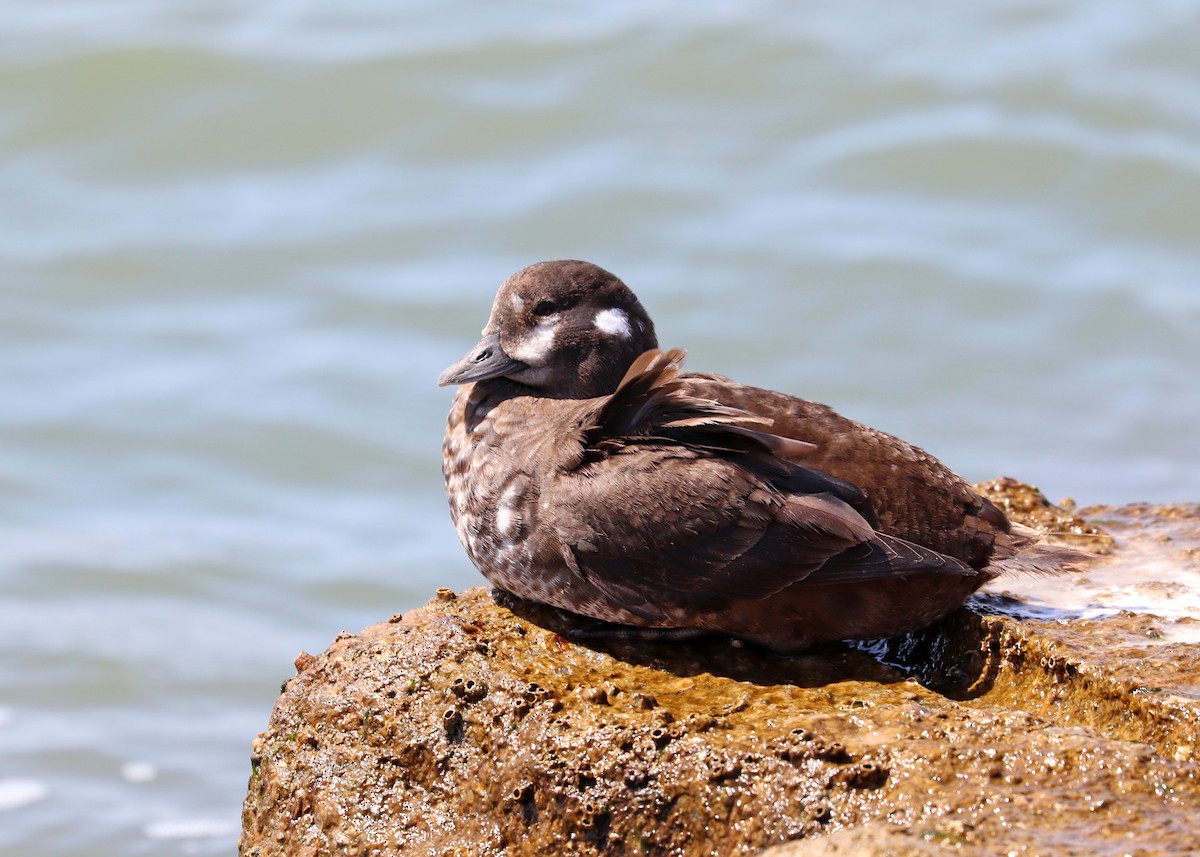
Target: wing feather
{"points": [[681, 501]]}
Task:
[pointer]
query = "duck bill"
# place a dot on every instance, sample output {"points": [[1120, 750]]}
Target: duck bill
{"points": [[486, 360]]}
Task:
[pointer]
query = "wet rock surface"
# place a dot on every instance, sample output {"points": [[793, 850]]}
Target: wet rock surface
{"points": [[1053, 715]]}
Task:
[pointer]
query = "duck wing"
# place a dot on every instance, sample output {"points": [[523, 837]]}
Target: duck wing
{"points": [[910, 494], [678, 501]]}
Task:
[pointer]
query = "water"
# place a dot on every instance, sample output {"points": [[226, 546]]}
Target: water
{"points": [[239, 241]]}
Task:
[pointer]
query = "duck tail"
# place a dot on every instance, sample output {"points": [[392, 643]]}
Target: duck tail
{"points": [[1025, 550]]}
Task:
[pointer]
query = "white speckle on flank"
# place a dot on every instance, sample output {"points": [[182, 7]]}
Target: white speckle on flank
{"points": [[536, 347], [506, 519], [508, 515], [614, 322]]}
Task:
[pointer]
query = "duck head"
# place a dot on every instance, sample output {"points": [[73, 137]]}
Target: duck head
{"points": [[566, 329]]}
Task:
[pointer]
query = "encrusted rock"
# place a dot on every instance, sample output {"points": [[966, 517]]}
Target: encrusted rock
{"points": [[466, 728]]}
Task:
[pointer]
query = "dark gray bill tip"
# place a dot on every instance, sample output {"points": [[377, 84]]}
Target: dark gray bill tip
{"points": [[486, 360]]}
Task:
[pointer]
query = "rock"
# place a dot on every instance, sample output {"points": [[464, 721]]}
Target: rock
{"points": [[1020, 724]]}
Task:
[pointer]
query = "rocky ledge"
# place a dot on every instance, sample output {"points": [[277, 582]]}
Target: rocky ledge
{"points": [[1056, 715]]}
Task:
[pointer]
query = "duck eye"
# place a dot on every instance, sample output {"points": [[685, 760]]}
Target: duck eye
{"points": [[543, 308]]}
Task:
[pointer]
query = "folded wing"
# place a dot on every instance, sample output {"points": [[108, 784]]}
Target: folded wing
{"points": [[682, 501]]}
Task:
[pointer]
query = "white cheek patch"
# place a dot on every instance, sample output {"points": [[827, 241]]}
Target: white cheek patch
{"points": [[536, 347], [613, 322], [518, 302]]}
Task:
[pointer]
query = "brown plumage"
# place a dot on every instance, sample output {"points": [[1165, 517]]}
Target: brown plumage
{"points": [[585, 470]]}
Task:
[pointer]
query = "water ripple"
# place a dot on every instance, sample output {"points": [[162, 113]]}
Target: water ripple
{"points": [[239, 241]]}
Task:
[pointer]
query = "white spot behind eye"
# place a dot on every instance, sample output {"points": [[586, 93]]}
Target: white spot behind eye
{"points": [[614, 322], [517, 301]]}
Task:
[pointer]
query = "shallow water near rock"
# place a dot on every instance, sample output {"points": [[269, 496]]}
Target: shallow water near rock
{"points": [[1155, 573], [239, 241]]}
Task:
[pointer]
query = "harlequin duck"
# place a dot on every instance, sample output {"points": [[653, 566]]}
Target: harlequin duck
{"points": [[586, 470]]}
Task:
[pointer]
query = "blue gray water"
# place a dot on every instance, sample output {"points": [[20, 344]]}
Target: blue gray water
{"points": [[238, 241]]}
